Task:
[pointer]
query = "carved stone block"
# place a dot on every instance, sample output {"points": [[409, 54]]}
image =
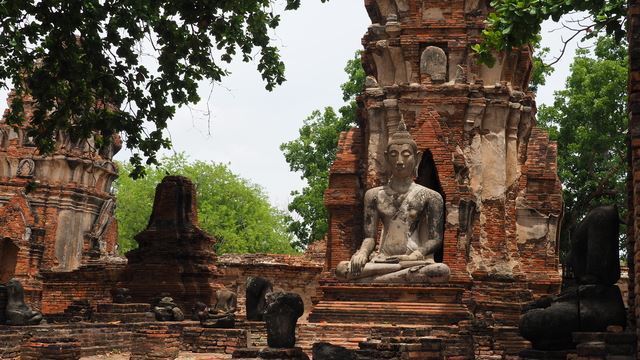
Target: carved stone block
{"points": [[433, 62]]}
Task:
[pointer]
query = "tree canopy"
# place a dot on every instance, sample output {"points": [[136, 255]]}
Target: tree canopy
{"points": [[100, 67], [588, 119], [313, 152], [231, 209], [514, 23]]}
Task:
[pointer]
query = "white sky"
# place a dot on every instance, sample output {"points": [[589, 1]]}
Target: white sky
{"points": [[248, 123]]}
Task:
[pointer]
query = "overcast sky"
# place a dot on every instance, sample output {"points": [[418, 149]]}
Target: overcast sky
{"points": [[248, 123]]}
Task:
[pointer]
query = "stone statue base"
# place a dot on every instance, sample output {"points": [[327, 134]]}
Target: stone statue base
{"points": [[399, 304]]}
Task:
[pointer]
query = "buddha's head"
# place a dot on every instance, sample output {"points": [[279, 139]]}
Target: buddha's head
{"points": [[402, 153]]}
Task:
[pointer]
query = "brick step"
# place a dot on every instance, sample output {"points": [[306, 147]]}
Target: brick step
{"points": [[382, 313], [399, 306]]}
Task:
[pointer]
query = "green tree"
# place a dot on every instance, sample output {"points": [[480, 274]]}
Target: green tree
{"points": [[312, 154], [589, 121], [514, 23], [232, 209], [82, 61]]}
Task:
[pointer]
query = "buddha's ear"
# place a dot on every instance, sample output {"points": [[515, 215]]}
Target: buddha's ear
{"points": [[418, 162]]}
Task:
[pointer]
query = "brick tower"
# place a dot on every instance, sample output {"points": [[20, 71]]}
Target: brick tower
{"points": [[57, 211], [494, 168]]}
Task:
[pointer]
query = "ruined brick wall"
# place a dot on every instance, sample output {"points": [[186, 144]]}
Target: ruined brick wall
{"points": [[65, 203], [343, 200], [297, 274], [92, 283]]}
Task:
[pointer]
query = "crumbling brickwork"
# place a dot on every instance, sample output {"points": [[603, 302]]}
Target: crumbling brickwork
{"points": [[174, 255], [476, 127], [58, 208], [291, 273]]}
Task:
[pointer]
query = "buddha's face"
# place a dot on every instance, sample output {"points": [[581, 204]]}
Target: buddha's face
{"points": [[402, 160]]}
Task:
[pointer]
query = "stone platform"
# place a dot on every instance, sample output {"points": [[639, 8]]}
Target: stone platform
{"points": [[390, 304]]}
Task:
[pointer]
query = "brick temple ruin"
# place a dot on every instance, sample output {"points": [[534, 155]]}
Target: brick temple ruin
{"points": [[495, 170]]}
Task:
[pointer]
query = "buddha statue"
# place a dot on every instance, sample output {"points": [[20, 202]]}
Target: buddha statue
{"points": [[412, 222], [590, 300]]}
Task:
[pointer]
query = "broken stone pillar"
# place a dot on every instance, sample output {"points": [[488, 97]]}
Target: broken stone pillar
{"points": [[281, 316]]}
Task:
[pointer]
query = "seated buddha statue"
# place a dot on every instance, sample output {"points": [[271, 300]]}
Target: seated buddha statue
{"points": [[412, 222]]}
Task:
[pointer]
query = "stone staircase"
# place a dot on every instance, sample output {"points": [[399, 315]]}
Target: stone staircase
{"points": [[389, 304]]}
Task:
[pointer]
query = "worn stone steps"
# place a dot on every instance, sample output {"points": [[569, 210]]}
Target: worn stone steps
{"points": [[386, 312]]}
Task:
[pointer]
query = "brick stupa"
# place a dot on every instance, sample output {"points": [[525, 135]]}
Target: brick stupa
{"points": [[174, 256]]}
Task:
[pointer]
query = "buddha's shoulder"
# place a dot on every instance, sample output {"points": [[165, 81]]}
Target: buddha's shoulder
{"points": [[373, 192], [425, 193]]}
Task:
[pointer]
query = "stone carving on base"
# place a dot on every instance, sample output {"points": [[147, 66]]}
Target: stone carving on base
{"points": [[17, 312], [590, 301], [257, 290], [281, 316], [26, 168], [99, 226], [412, 222], [167, 310], [222, 315]]}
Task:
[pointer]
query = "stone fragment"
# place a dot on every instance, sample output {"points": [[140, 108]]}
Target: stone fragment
{"points": [[257, 290], [223, 314], [591, 301], [26, 168], [371, 82], [167, 310], [17, 312], [327, 351], [433, 62], [281, 316], [121, 296]]}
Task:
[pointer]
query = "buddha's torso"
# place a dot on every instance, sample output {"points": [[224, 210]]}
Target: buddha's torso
{"points": [[400, 214]]}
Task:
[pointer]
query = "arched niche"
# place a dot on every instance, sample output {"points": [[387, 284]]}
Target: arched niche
{"points": [[428, 177], [8, 259]]}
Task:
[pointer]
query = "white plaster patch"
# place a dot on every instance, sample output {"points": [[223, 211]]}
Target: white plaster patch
{"points": [[453, 215]]}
